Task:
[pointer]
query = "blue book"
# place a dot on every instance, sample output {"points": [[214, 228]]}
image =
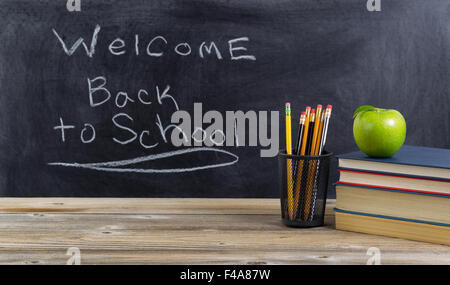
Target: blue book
{"points": [[412, 161]]}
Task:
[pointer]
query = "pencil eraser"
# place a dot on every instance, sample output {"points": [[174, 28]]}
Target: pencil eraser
{"points": [[288, 104], [319, 106], [313, 110], [303, 113], [308, 108], [329, 106]]}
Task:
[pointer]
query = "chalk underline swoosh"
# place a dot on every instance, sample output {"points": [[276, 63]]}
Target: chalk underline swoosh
{"points": [[118, 165]]}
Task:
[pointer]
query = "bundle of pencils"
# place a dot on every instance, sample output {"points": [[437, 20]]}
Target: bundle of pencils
{"points": [[311, 139]]}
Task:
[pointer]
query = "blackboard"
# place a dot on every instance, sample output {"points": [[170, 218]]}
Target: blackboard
{"points": [[302, 51]]}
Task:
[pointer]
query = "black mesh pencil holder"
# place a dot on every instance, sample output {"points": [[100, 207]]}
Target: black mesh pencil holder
{"points": [[303, 186]]}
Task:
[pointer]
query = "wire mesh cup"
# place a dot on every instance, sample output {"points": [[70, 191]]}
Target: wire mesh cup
{"points": [[303, 186]]}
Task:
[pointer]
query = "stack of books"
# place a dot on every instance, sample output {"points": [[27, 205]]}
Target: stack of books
{"points": [[405, 196]]}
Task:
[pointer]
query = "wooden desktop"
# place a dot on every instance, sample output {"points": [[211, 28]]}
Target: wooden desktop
{"points": [[186, 231]]}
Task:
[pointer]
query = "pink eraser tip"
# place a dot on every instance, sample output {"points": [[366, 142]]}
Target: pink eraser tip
{"points": [[319, 106], [288, 104], [308, 108], [303, 113], [313, 110], [329, 107]]}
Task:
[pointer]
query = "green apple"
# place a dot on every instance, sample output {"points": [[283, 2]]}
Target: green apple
{"points": [[378, 132]]}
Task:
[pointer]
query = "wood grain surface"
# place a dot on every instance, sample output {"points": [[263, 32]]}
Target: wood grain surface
{"points": [[185, 231]]}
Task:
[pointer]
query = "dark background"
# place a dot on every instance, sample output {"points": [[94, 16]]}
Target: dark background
{"points": [[307, 52]]}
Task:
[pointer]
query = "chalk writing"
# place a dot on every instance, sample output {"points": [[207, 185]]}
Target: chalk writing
{"points": [[100, 93], [159, 46], [118, 166]]}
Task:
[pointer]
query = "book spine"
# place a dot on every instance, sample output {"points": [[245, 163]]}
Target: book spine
{"points": [[381, 188], [342, 169]]}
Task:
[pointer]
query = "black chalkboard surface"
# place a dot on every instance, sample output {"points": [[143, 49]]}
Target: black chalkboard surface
{"points": [[265, 53]]}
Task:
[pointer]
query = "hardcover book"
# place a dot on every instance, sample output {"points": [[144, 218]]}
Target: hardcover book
{"points": [[416, 161]]}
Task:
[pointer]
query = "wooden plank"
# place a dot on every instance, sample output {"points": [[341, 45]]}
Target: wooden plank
{"points": [[162, 235], [185, 206], [206, 256]]}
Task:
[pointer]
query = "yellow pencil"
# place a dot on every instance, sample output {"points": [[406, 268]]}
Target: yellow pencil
{"points": [[319, 135], [306, 130], [302, 147], [310, 194], [289, 161], [313, 164]]}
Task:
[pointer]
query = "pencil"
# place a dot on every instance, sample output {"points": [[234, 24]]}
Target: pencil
{"points": [[288, 129], [325, 128], [316, 130], [301, 127], [326, 121], [312, 119], [310, 165], [299, 168], [319, 135], [305, 131], [289, 162]]}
